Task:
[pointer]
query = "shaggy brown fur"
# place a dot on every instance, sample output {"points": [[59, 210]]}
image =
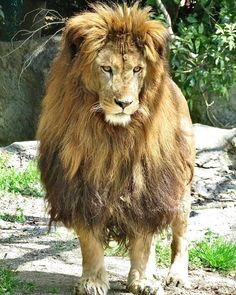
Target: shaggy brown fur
{"points": [[115, 179]]}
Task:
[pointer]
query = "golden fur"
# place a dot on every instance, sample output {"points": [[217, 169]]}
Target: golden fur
{"points": [[117, 179]]}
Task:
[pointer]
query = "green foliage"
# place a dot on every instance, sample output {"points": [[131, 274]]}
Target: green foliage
{"points": [[9, 282], [214, 252], [17, 217], [203, 52], [25, 182]]}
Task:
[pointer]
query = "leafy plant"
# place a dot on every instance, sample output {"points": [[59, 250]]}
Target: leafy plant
{"points": [[203, 51]]}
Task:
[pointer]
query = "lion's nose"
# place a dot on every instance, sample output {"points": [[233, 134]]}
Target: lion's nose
{"points": [[123, 103]]}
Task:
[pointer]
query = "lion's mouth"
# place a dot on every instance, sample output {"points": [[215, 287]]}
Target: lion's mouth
{"points": [[118, 119]]}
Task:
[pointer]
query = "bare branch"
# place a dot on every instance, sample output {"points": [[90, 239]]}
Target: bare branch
{"points": [[31, 35], [29, 60], [167, 17]]}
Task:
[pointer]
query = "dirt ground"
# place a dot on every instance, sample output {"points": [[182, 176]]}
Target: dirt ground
{"points": [[53, 261]]}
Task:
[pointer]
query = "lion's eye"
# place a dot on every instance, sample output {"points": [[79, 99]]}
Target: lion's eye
{"points": [[137, 69], [106, 69]]}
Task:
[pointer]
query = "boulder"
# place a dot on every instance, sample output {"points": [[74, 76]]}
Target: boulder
{"points": [[215, 167], [24, 66], [221, 112]]}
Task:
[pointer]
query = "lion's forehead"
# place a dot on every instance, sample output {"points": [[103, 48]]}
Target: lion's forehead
{"points": [[111, 55]]}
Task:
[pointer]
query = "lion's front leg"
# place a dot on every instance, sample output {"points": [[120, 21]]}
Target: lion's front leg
{"points": [[178, 273], [94, 279], [141, 279]]}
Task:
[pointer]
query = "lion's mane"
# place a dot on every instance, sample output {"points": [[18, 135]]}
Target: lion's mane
{"points": [[114, 179]]}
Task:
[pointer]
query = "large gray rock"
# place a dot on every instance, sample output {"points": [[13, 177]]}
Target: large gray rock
{"points": [[215, 168], [22, 74], [221, 113]]}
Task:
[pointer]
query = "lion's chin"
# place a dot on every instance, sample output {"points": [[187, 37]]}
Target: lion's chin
{"points": [[118, 119]]}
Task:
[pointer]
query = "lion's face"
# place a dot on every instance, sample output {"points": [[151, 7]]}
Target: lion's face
{"points": [[120, 78]]}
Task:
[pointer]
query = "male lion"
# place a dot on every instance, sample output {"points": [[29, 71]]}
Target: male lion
{"points": [[116, 153]]}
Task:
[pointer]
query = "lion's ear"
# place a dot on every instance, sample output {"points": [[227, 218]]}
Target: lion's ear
{"points": [[157, 41], [72, 37], [74, 47]]}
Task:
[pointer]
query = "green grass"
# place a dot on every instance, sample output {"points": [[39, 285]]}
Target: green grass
{"points": [[17, 217], [214, 252], [163, 253], [26, 182], [9, 282], [53, 290]]}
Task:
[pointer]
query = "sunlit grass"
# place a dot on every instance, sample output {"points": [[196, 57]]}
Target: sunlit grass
{"points": [[214, 252], [25, 182]]}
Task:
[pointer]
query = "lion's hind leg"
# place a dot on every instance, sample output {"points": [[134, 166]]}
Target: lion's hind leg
{"points": [[141, 279], [178, 273], [94, 279]]}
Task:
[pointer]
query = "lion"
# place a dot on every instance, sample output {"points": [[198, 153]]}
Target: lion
{"points": [[116, 145]]}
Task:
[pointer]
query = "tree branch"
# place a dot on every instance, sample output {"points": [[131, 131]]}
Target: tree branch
{"points": [[167, 17]]}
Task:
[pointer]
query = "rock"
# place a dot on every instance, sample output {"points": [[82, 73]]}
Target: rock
{"points": [[19, 154], [24, 67], [215, 175], [222, 112]]}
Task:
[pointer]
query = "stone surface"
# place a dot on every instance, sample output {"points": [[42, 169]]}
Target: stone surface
{"points": [[23, 71], [215, 168], [221, 113]]}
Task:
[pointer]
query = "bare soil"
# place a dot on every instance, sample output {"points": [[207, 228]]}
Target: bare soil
{"points": [[53, 261]]}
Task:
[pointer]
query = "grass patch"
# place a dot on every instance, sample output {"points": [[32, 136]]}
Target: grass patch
{"points": [[214, 252], [163, 253], [26, 182], [53, 290], [17, 217], [9, 282]]}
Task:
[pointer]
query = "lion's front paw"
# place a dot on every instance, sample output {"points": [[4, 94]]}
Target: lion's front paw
{"points": [[145, 286], [178, 278], [91, 286]]}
